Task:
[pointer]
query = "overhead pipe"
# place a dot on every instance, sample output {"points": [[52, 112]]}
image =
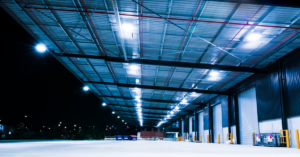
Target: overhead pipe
{"points": [[175, 19]]}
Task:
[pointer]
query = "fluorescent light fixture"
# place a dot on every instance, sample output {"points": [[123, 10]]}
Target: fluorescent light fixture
{"points": [[137, 97], [86, 88], [139, 110], [177, 108], [104, 104], [41, 48], [113, 112], [140, 113], [194, 94], [213, 78], [253, 37], [127, 27], [184, 101], [172, 112], [214, 73], [138, 105], [137, 81], [134, 67]]}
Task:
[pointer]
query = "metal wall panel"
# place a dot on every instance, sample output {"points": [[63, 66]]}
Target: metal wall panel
{"points": [[217, 123], [268, 97], [248, 120], [292, 88], [190, 125], [206, 118]]}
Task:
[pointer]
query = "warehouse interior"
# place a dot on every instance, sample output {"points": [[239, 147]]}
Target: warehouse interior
{"points": [[225, 72]]}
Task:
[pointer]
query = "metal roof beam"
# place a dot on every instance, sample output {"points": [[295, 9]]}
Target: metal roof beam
{"points": [[119, 24], [169, 63], [142, 112], [149, 108], [158, 87], [150, 100]]}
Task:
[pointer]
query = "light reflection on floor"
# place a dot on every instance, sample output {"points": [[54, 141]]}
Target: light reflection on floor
{"points": [[136, 149]]}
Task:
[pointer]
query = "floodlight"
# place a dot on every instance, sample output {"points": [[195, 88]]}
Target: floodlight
{"points": [[40, 48], [86, 88], [214, 73], [134, 67], [253, 37], [127, 27]]}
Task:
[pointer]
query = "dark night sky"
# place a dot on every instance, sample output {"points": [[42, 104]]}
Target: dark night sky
{"points": [[39, 86]]}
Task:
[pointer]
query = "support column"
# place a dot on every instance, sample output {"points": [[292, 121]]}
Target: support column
{"points": [[236, 109], [281, 80]]}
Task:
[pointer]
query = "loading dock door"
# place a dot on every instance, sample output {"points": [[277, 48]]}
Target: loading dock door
{"points": [[201, 126], [217, 123], [248, 121]]}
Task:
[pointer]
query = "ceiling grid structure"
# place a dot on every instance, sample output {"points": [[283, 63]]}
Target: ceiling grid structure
{"points": [[176, 55]]}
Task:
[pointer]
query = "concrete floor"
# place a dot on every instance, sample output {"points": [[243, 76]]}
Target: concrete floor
{"points": [[137, 148]]}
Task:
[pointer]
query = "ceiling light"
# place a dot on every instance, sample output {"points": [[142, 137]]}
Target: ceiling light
{"points": [[122, 120], [140, 113], [177, 108], [213, 78], [104, 104], [253, 37], [214, 73], [168, 116], [137, 81], [86, 88], [40, 48], [139, 110], [172, 112], [139, 105], [113, 112], [127, 27], [118, 116], [134, 67]]}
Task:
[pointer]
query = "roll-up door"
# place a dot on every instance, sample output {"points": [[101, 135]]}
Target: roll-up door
{"points": [[182, 128], [201, 126], [248, 121], [190, 125], [217, 123]]}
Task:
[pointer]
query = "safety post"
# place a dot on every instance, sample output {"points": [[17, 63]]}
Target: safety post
{"points": [[297, 139], [287, 139], [219, 139], [253, 138], [201, 139], [194, 139], [231, 141], [207, 138], [184, 138]]}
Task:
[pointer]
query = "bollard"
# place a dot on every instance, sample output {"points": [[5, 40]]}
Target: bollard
{"points": [[231, 140], [184, 138], [194, 139], [297, 139], [287, 139], [219, 139], [207, 138], [201, 139]]}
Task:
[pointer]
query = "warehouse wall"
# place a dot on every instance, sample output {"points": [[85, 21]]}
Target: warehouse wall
{"points": [[271, 95]]}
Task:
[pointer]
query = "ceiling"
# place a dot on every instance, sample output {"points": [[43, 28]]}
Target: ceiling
{"points": [[133, 54]]}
